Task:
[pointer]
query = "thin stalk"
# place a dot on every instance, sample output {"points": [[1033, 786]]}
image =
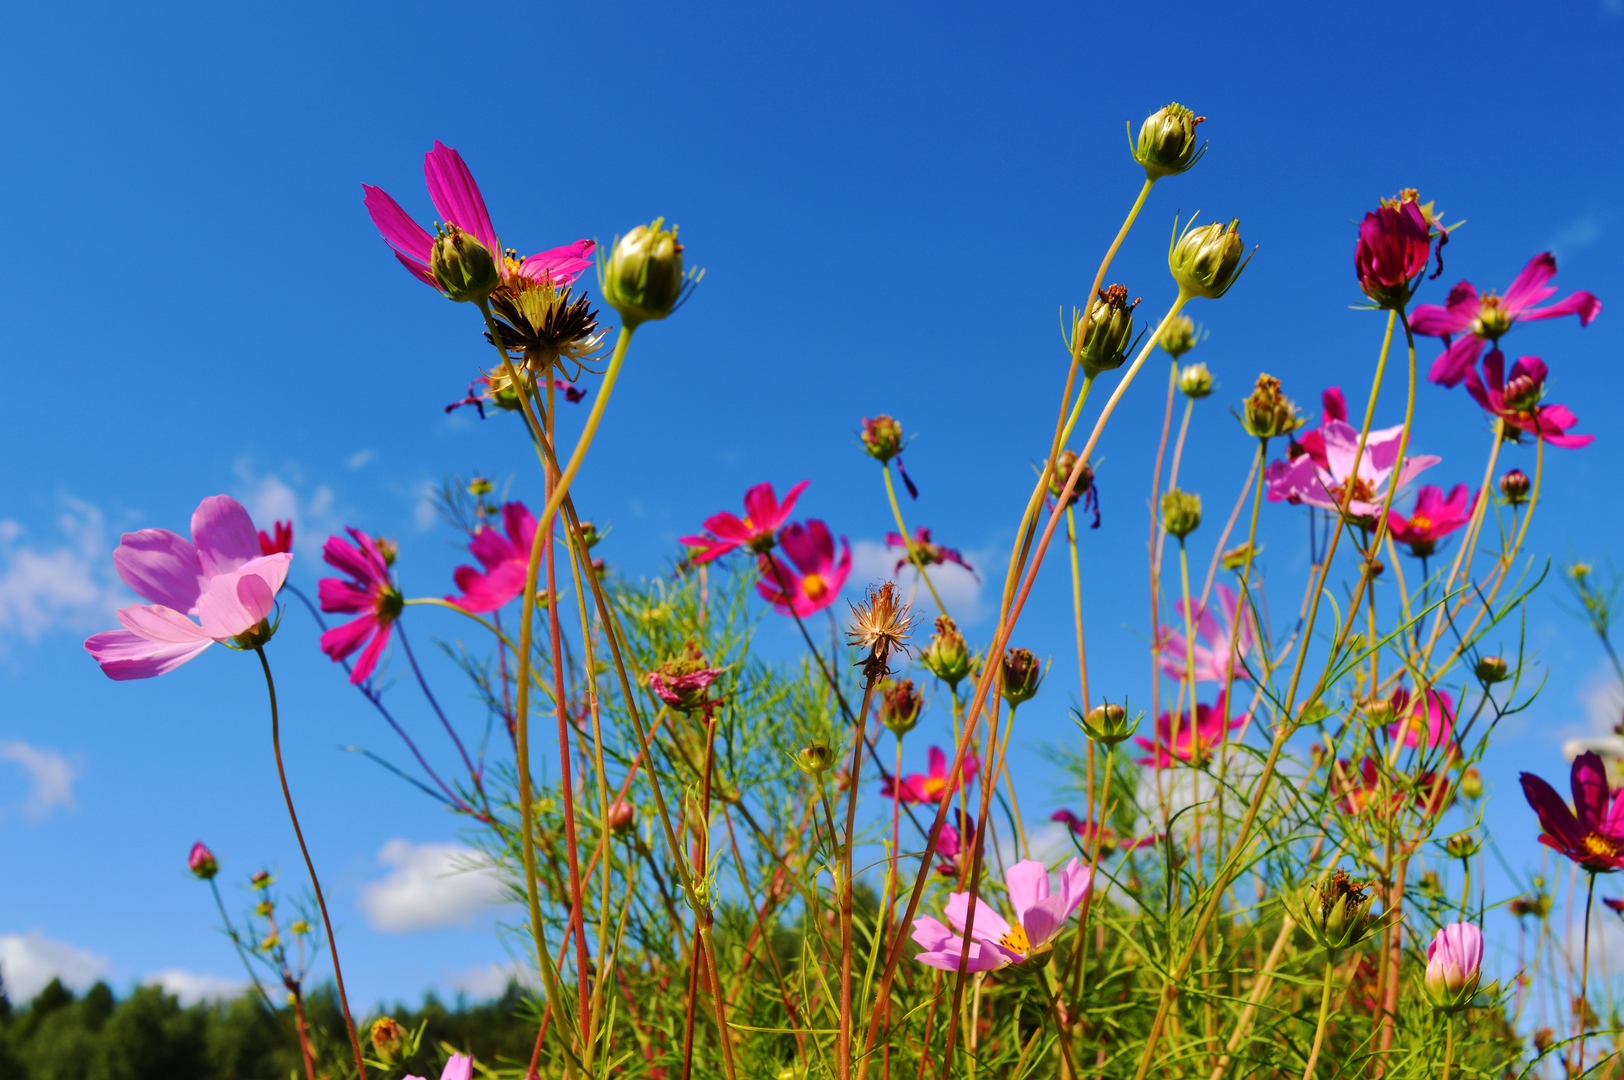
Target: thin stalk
{"points": [[907, 537], [1324, 1015], [1584, 978], [843, 1048]]}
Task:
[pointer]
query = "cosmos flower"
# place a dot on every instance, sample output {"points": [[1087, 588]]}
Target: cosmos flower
{"points": [[1215, 637], [995, 942], [280, 542], [1454, 965], [821, 576], [1312, 442], [924, 553], [930, 786], [1395, 243], [1516, 401], [764, 515], [1439, 723], [370, 593], [504, 555], [1194, 742], [1433, 518], [1306, 481], [1592, 833]]}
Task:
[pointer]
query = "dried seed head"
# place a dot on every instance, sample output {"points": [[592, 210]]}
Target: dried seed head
{"points": [[879, 628]]}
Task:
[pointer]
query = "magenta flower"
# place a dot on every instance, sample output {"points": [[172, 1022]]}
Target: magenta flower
{"points": [[458, 201], [1305, 481], [1312, 442], [201, 861], [370, 593], [1479, 319], [1433, 518], [955, 845], [994, 942], [1194, 741], [1516, 400], [460, 1067], [924, 552], [822, 576], [1439, 720], [931, 786], [280, 542], [684, 692], [763, 516], [1215, 637], [506, 559], [220, 577], [1395, 243], [1429, 792], [1454, 965], [1084, 830], [1592, 833]]}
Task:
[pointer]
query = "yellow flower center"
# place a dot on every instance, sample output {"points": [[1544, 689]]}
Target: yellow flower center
{"points": [[1420, 523], [1015, 940], [1601, 845], [1492, 319], [934, 786], [814, 586]]}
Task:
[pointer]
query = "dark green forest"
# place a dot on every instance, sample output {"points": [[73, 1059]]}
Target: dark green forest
{"points": [[149, 1035]]}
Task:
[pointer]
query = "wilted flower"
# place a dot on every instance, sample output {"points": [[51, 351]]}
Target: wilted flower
{"points": [[1336, 911], [1516, 401], [1395, 244], [219, 577], [1267, 413], [1479, 319], [1206, 259], [1304, 481], [948, 655], [543, 321], [1181, 512], [1514, 486], [370, 593], [764, 515], [1454, 966], [1107, 723], [1433, 518], [900, 705], [1195, 381], [1021, 672], [506, 559], [812, 549], [1592, 833], [920, 551], [1179, 336], [202, 862], [882, 437], [683, 681], [1193, 743], [388, 1038], [1109, 336], [644, 279], [1216, 639], [930, 786], [1166, 144], [994, 942], [879, 627]]}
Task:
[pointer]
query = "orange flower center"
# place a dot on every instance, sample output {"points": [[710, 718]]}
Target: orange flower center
{"points": [[933, 786], [1015, 940], [814, 586], [1600, 845]]}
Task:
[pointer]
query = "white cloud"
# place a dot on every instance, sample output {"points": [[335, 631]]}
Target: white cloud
{"points": [[430, 885], [360, 458], [50, 777], [29, 961], [64, 585], [1579, 233], [873, 562], [485, 981], [191, 987]]}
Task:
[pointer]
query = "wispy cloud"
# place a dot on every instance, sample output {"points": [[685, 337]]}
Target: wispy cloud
{"points": [[272, 497], [63, 583], [1579, 233], [191, 987], [485, 981], [50, 778], [360, 458], [429, 885], [29, 961], [872, 561]]}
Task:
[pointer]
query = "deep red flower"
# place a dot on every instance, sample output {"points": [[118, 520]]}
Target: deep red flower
{"points": [[763, 515], [506, 559], [369, 592], [1395, 244], [280, 543], [1592, 833], [925, 553], [1479, 319], [822, 576], [1433, 518], [1516, 400]]}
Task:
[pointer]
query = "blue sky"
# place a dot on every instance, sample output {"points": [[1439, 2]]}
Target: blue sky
{"points": [[891, 208]]}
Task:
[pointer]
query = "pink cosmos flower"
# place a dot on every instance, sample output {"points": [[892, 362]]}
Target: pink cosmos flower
{"points": [[1215, 637], [685, 692], [201, 861], [1479, 319], [370, 594], [994, 942], [276, 544], [1194, 742], [1592, 833], [1084, 830], [926, 552], [1433, 518], [822, 576], [506, 559], [931, 786], [458, 201], [763, 516], [1454, 963], [1516, 400], [460, 1067], [955, 845], [220, 577], [1429, 793], [1312, 442], [1395, 243], [1439, 721], [1306, 481]]}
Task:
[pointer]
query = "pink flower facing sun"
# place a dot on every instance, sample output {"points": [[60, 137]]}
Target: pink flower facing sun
{"points": [[1312, 442], [1215, 637], [925, 552], [994, 942], [822, 576], [370, 593], [1433, 518], [504, 555], [1194, 742], [1516, 400], [1479, 319], [1306, 481], [764, 515], [458, 201], [1437, 727], [219, 577], [931, 786]]}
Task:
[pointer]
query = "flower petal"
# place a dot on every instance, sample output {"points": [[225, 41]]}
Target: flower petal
{"points": [[224, 534], [161, 567], [1028, 882], [1529, 288], [1462, 307], [413, 244], [1581, 303], [124, 655], [1455, 361], [560, 265], [457, 197], [989, 925]]}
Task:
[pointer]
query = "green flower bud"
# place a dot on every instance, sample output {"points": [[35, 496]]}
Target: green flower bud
{"points": [[1181, 512], [480, 486], [1267, 412], [1110, 331], [589, 535], [1471, 783], [1463, 845], [1195, 381], [1106, 723], [1206, 259], [1179, 336], [900, 705], [260, 879], [882, 437], [463, 267], [1235, 558], [947, 656], [1514, 485], [1335, 912], [1491, 670], [300, 927], [1021, 673], [644, 279], [1167, 145], [815, 759]]}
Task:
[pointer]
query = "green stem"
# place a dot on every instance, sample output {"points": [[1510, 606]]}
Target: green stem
{"points": [[1324, 1015], [907, 538], [1449, 1044]]}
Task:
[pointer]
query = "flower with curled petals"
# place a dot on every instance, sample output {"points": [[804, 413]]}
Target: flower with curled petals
{"points": [[219, 577], [764, 515], [994, 941], [370, 594]]}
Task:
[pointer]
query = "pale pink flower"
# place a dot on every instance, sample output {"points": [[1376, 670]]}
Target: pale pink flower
{"points": [[994, 941], [220, 578], [1305, 481], [1215, 637]]}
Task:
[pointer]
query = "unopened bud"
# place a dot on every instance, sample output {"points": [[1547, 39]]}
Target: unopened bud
{"points": [[202, 862], [1235, 558], [388, 548], [480, 486], [300, 927], [1514, 486], [1107, 724], [1462, 845], [263, 908], [589, 535], [948, 655], [622, 817], [1064, 463], [1267, 412], [1491, 670], [388, 1038], [815, 759], [1179, 336], [260, 879], [900, 705], [1181, 512], [1195, 381], [644, 279], [882, 437], [1021, 672], [270, 941], [1471, 783], [463, 267], [1167, 141], [1109, 336], [1206, 259]]}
